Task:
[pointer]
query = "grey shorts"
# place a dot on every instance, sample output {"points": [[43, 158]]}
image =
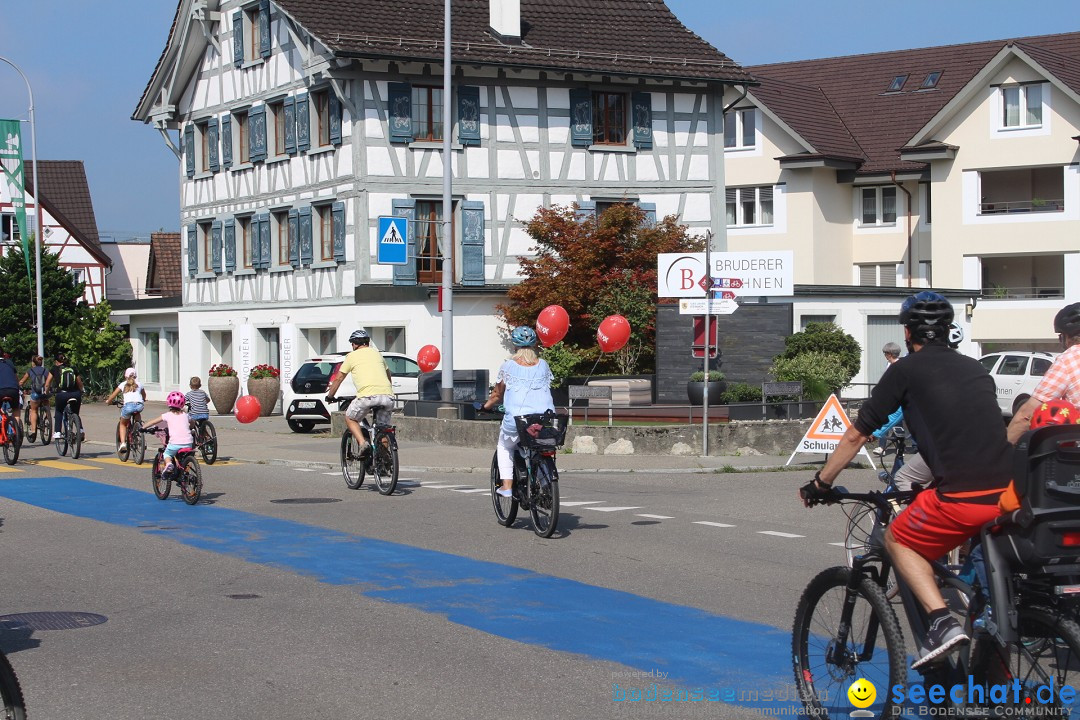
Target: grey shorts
{"points": [[359, 407]]}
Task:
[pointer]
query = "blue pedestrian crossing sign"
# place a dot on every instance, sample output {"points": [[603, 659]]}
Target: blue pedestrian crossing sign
{"points": [[393, 247]]}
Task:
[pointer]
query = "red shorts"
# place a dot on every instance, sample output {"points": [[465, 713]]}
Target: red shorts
{"points": [[933, 527]]}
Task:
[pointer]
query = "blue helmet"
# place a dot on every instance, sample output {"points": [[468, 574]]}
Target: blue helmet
{"points": [[927, 315], [523, 336]]}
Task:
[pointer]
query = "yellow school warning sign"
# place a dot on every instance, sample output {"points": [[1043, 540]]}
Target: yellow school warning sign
{"points": [[825, 432]]}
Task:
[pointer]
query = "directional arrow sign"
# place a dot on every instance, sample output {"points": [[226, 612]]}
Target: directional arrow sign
{"points": [[393, 247]]}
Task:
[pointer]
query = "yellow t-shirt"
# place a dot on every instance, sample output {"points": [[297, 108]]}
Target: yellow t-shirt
{"points": [[368, 372]]}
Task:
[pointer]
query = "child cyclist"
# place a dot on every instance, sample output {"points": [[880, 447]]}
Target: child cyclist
{"points": [[198, 400], [178, 424], [134, 402]]}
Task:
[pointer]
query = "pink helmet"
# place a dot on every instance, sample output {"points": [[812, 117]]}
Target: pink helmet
{"points": [[176, 400]]}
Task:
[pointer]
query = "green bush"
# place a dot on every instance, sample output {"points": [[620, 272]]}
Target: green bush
{"points": [[741, 392], [564, 361], [824, 338], [699, 376], [821, 373]]}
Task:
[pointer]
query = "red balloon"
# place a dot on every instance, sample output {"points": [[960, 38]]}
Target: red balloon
{"points": [[247, 408], [428, 358], [552, 324], [613, 333]]}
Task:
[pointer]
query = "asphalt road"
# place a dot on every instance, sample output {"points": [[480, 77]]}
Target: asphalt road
{"points": [[348, 604]]}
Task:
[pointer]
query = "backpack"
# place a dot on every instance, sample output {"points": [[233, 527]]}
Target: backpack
{"points": [[37, 379], [66, 382]]}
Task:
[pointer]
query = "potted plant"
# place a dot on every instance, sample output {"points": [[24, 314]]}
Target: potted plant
{"points": [[695, 388], [264, 383], [224, 386]]}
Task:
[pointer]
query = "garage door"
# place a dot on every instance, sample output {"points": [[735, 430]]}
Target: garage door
{"points": [[880, 329]]}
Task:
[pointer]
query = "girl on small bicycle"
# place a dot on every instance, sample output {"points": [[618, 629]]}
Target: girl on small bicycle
{"points": [[134, 402], [522, 386], [178, 424]]}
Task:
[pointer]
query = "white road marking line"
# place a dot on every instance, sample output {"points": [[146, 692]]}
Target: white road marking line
{"points": [[774, 533], [331, 473], [576, 503], [304, 469], [612, 509], [843, 545], [655, 517], [442, 487], [474, 490], [711, 524]]}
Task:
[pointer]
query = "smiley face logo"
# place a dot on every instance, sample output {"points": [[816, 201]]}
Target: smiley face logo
{"points": [[862, 693]]}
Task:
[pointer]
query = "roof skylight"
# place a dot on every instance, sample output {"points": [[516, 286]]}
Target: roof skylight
{"points": [[931, 80], [897, 84]]}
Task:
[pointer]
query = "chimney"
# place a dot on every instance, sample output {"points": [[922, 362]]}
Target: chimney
{"points": [[505, 18]]}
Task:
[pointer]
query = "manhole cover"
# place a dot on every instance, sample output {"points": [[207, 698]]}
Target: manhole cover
{"points": [[304, 501], [243, 596], [52, 620]]}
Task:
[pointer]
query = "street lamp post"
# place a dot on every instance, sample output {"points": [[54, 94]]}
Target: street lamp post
{"points": [[37, 201], [447, 409]]}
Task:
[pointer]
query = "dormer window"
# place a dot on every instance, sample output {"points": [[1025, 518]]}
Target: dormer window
{"points": [[897, 83], [931, 80]]}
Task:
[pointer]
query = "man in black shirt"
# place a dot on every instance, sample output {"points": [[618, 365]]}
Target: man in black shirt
{"points": [[950, 407]]}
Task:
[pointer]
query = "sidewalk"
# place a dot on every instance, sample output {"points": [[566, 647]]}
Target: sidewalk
{"points": [[268, 440]]}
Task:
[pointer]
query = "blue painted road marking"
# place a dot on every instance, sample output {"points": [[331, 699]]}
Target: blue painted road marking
{"points": [[696, 648]]}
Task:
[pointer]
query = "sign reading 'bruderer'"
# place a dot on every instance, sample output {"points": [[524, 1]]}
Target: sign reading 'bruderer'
{"points": [[757, 273]]}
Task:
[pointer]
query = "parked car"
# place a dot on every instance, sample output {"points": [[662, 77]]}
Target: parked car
{"points": [[304, 401], [1016, 375]]}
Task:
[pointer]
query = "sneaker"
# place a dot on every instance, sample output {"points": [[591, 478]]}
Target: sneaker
{"points": [[169, 472], [879, 451], [123, 447], [504, 493], [944, 634], [56, 436]]}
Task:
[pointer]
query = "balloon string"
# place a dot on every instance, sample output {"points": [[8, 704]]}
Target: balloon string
{"points": [[587, 377]]}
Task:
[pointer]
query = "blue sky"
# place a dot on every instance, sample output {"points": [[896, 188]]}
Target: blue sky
{"points": [[88, 64]]}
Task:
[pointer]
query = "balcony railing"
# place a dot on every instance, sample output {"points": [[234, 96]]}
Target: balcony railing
{"points": [[1021, 206], [1000, 292]]}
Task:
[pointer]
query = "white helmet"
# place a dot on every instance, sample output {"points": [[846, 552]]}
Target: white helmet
{"points": [[956, 335]]}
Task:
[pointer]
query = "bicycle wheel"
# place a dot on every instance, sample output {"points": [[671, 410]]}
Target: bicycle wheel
{"points": [[14, 440], [26, 422], [873, 647], [544, 498], [162, 485], [44, 423], [62, 441], [352, 467], [506, 508], [11, 692], [384, 468], [75, 433], [126, 452], [1047, 654], [208, 448], [137, 442], [190, 479]]}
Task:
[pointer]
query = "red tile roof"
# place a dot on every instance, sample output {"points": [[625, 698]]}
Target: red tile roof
{"points": [[163, 268]]}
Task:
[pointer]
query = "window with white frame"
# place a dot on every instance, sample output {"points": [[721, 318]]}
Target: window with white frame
{"points": [[749, 206], [252, 35], [241, 137], [202, 152], [275, 127], [740, 129], [878, 205], [206, 247], [9, 228], [324, 230], [1021, 106], [320, 107], [244, 241], [283, 238]]}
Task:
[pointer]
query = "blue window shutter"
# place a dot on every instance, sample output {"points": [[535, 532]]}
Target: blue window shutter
{"points": [[399, 111], [581, 117], [264, 240], [305, 235], [290, 125], [264, 28], [586, 210], [230, 245], [337, 212], [215, 245], [238, 38], [472, 243], [650, 214], [192, 251], [212, 141], [257, 133], [294, 237], [335, 118], [406, 274], [468, 115], [642, 118], [303, 124], [226, 141], [189, 150]]}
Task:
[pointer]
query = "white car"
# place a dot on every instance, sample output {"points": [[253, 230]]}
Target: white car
{"points": [[1016, 375], [304, 397]]}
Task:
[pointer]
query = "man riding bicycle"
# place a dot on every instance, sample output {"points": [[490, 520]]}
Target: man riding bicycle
{"points": [[371, 378], [9, 382], [65, 384], [950, 406], [1062, 380]]}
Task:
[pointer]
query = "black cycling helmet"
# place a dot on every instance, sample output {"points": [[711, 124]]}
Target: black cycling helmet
{"points": [[1067, 321], [927, 315], [360, 337]]}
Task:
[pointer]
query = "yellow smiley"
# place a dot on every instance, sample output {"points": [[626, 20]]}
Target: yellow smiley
{"points": [[862, 693]]}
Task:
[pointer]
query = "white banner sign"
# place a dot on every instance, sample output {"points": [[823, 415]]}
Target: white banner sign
{"points": [[768, 273], [696, 306]]}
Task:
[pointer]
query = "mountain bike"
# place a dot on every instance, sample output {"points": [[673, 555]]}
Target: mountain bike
{"points": [[862, 517], [136, 443], [186, 474], [71, 430], [379, 456], [204, 434], [10, 433], [1022, 627], [536, 479], [14, 706], [44, 421]]}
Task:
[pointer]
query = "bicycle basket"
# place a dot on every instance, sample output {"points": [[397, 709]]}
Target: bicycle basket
{"points": [[550, 434]]}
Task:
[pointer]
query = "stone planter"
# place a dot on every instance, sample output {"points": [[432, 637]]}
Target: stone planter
{"points": [[696, 392], [223, 392], [266, 391]]}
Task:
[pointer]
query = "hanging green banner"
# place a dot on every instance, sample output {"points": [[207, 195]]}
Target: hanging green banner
{"points": [[12, 161]]}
